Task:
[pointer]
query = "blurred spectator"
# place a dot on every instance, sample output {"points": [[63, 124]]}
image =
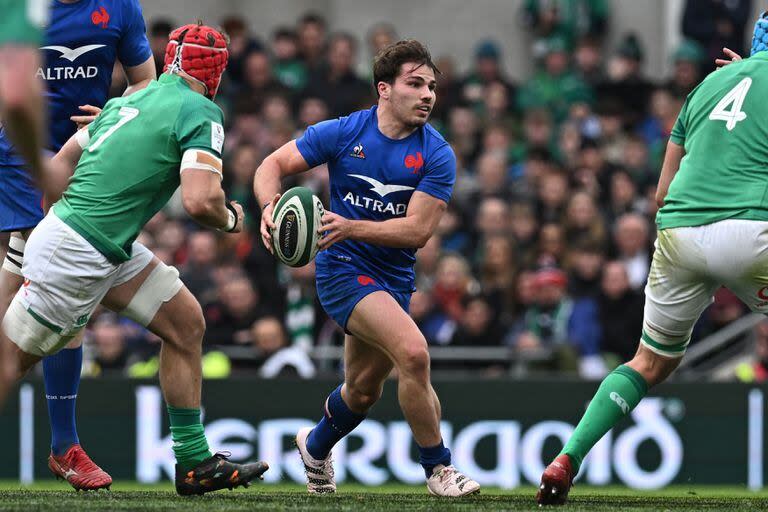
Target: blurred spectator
{"points": [[337, 84], [633, 247], [524, 227], [621, 313], [241, 43], [497, 272], [486, 70], [554, 86], [197, 272], [624, 79], [453, 282], [688, 62], [756, 368], [715, 24], [583, 222], [111, 356], [569, 19], [436, 326], [588, 60], [158, 33], [312, 33], [725, 308], [288, 67], [552, 195], [379, 37], [568, 328], [477, 326], [268, 336], [229, 319], [585, 263], [258, 82]]}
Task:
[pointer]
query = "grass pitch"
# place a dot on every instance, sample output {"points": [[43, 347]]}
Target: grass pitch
{"points": [[56, 496]]}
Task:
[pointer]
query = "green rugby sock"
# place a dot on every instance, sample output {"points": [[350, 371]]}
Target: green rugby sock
{"points": [[189, 443], [617, 395]]}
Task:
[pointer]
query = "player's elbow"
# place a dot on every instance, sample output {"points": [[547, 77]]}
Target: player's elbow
{"points": [[421, 236]]}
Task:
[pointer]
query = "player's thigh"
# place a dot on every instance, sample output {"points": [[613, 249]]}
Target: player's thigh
{"points": [[382, 322], [677, 292], [366, 367], [150, 292]]}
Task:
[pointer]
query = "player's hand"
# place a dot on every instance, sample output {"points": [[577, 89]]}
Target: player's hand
{"points": [[732, 57], [84, 120], [335, 228], [240, 224], [266, 223]]}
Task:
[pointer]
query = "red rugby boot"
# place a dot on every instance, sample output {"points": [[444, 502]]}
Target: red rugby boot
{"points": [[77, 468], [556, 482]]}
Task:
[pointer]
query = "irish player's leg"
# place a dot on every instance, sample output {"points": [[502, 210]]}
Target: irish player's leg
{"points": [[676, 294], [150, 292]]}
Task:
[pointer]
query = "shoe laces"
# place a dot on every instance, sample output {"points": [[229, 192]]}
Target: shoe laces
{"points": [[446, 474]]}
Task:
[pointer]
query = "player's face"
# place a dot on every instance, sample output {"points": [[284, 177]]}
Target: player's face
{"points": [[413, 94]]}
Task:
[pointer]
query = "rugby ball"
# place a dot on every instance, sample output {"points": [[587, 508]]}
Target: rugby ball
{"points": [[297, 218]]}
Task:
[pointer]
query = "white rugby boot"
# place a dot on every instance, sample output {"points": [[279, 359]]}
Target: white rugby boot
{"points": [[319, 473], [449, 481]]}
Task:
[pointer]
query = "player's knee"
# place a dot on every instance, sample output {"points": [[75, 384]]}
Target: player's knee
{"points": [[414, 361], [187, 334]]}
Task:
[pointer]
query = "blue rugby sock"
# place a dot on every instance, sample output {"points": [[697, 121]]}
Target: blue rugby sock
{"points": [[337, 422], [61, 373], [432, 456]]}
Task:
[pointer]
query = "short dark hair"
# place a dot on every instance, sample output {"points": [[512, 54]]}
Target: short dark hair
{"points": [[386, 64]]}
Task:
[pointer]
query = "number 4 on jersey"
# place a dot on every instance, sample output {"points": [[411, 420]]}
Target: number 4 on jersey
{"points": [[734, 98]]}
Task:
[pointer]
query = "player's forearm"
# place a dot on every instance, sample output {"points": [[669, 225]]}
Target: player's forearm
{"points": [[402, 233], [210, 211], [672, 158], [266, 181]]}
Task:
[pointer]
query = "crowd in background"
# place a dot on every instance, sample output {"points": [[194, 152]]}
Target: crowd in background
{"points": [[545, 248]]}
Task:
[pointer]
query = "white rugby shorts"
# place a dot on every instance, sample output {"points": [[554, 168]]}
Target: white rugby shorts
{"points": [[65, 278], [689, 265]]}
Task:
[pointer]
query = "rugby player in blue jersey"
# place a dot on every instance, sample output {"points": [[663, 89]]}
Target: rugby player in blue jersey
{"points": [[391, 177], [79, 50]]}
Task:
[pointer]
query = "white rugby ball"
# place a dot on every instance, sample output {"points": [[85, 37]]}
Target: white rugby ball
{"points": [[297, 219]]}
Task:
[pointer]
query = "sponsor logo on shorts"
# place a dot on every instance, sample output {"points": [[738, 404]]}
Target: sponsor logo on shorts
{"points": [[365, 280], [623, 405], [26, 283], [762, 293]]}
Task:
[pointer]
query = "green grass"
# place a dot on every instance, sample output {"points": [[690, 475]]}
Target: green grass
{"points": [[49, 495]]}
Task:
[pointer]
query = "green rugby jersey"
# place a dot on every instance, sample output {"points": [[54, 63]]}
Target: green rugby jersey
{"points": [[723, 127], [130, 167]]}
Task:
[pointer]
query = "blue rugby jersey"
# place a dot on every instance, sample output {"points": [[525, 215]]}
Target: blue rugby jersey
{"points": [[79, 51], [373, 177]]}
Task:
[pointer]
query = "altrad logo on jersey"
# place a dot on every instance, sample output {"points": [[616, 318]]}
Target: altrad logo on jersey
{"points": [[69, 72], [383, 190]]}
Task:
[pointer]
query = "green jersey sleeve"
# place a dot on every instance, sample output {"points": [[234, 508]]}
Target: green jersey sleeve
{"points": [[678, 131], [200, 125]]}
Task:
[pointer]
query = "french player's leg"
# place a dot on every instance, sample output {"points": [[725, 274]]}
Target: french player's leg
{"points": [[365, 370], [151, 293], [379, 320], [675, 296]]}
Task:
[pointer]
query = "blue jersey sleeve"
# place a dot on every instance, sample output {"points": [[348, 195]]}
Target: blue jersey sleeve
{"points": [[133, 48], [440, 175], [319, 142]]}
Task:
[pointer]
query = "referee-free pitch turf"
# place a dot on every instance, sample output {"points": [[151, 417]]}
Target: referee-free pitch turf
{"points": [[56, 496]]}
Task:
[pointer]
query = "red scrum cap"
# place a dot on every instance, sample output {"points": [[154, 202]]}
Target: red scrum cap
{"points": [[201, 52]]}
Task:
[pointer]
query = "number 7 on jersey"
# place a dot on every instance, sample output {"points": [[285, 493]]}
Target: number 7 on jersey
{"points": [[126, 114]]}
